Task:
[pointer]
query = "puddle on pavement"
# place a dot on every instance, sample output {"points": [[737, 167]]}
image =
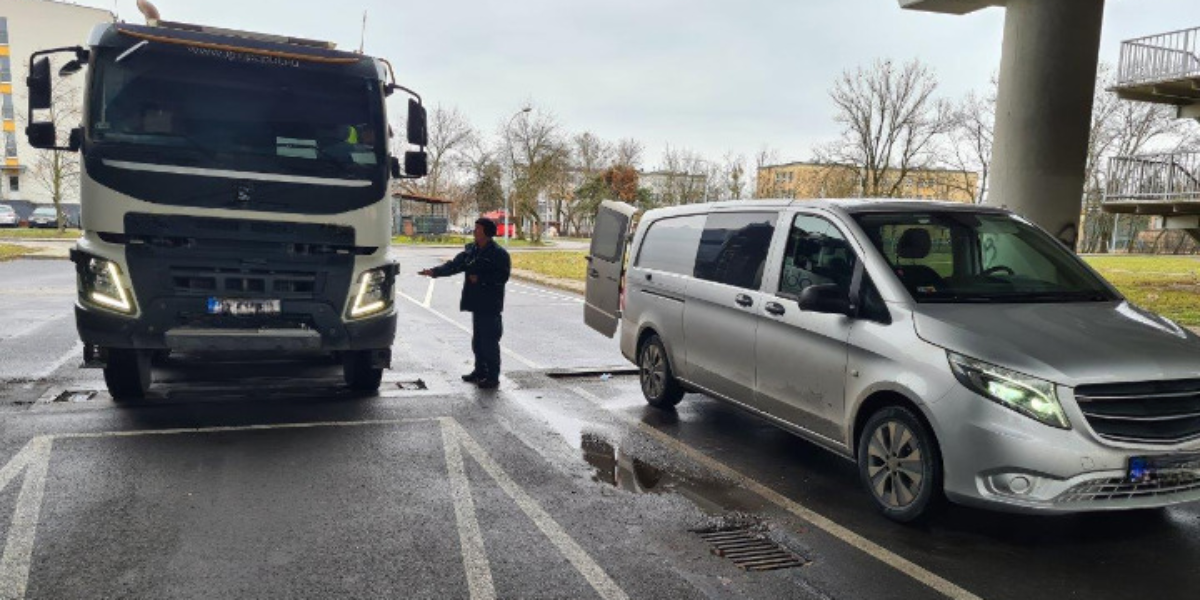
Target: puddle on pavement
{"points": [[614, 466]]}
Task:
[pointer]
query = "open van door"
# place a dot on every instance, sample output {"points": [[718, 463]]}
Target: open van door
{"points": [[606, 266]]}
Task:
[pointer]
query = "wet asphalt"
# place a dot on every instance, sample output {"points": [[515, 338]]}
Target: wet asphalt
{"points": [[242, 478]]}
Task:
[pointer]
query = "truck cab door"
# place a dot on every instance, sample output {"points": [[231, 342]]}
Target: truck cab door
{"points": [[606, 266]]}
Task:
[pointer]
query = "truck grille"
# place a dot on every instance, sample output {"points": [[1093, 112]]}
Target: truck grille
{"points": [[244, 282], [1159, 412], [1118, 488]]}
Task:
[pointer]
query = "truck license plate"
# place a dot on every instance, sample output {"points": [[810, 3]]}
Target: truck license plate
{"points": [[242, 307]]}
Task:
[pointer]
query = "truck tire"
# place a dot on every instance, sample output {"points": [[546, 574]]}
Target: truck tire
{"points": [[359, 371], [128, 374]]}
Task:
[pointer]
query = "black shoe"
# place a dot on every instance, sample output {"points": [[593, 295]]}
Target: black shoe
{"points": [[472, 377], [488, 384]]}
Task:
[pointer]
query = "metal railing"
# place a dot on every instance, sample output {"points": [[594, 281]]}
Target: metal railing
{"points": [[1162, 57], [1154, 179]]}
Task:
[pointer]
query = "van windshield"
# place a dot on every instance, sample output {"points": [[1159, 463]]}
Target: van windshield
{"points": [[959, 257]]}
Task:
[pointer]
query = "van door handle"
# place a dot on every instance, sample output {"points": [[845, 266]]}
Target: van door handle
{"points": [[594, 274], [744, 300], [776, 309], [649, 277]]}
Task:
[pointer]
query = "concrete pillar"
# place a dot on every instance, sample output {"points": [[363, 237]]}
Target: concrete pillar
{"points": [[1044, 109]]}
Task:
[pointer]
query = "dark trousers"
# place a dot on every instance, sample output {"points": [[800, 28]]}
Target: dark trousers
{"points": [[485, 343]]}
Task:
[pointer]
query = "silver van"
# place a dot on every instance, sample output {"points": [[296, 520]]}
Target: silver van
{"points": [[953, 351]]}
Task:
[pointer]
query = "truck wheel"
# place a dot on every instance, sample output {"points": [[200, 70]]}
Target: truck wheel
{"points": [[359, 371], [900, 465], [659, 386], [127, 374]]}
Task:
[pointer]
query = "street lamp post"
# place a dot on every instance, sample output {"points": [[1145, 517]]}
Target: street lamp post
{"points": [[512, 156]]}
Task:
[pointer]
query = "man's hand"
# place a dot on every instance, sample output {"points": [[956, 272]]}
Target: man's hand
{"points": [[426, 273]]}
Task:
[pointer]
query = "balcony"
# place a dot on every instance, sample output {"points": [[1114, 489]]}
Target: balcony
{"points": [[1154, 184], [1163, 69]]}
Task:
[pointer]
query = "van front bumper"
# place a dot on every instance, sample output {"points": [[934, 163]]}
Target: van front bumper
{"points": [[998, 459]]}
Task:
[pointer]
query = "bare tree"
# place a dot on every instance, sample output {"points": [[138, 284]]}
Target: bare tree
{"points": [[57, 172], [450, 134], [686, 176], [733, 176], [891, 121], [536, 155], [970, 140], [628, 152]]}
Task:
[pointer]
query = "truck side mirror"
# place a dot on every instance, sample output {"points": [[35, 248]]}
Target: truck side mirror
{"points": [[76, 140], [416, 164], [418, 134], [394, 164], [42, 135], [39, 84]]}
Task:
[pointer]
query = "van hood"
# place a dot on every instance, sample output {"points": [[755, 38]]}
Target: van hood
{"points": [[1069, 343]]}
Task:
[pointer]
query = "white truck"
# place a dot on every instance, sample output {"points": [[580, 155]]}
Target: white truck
{"points": [[234, 195]]}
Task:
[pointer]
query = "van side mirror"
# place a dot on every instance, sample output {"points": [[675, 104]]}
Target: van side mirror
{"points": [[825, 298], [39, 84], [42, 135], [418, 133], [416, 164]]}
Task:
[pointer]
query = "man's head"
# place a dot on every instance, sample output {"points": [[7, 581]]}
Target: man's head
{"points": [[485, 230]]}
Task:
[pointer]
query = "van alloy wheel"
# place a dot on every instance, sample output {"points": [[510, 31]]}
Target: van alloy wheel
{"points": [[895, 465], [900, 464], [659, 386], [653, 371]]}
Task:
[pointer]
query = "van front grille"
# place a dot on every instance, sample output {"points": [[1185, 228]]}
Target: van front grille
{"points": [[1157, 412]]}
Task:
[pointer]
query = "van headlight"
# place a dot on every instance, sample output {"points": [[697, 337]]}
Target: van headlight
{"points": [[373, 294], [101, 285], [1030, 396]]}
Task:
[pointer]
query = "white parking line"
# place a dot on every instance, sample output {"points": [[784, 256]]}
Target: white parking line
{"points": [[818, 520], [475, 560], [521, 359], [534, 291], [572, 551], [429, 294], [75, 351], [18, 549]]}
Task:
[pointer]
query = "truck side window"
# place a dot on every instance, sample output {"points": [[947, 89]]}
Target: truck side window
{"points": [[733, 248], [817, 253]]}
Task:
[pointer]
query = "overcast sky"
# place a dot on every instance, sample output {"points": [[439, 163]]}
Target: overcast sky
{"points": [[710, 75]]}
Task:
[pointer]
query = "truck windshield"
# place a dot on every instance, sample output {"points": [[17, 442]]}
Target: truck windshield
{"points": [[961, 257], [205, 112]]}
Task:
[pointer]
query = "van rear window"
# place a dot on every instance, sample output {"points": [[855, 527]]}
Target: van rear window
{"points": [[670, 245]]}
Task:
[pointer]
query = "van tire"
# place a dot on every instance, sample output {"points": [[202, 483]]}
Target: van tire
{"points": [[659, 386], [127, 374], [359, 371], [893, 445]]}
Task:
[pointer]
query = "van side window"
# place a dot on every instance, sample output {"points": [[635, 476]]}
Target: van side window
{"points": [[733, 248], [670, 245], [817, 253]]}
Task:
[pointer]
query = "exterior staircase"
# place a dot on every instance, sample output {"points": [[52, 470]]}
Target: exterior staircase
{"points": [[1163, 69]]}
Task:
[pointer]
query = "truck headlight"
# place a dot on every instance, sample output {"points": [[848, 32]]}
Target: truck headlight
{"points": [[1030, 396], [102, 286], [373, 294]]}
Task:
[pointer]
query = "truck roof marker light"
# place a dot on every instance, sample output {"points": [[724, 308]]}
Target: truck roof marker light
{"points": [[240, 49]]}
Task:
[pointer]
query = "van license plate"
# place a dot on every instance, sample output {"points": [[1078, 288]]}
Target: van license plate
{"points": [[1148, 468], [242, 307]]}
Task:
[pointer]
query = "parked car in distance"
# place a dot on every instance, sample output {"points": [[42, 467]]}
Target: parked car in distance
{"points": [[952, 351], [44, 217], [8, 216]]}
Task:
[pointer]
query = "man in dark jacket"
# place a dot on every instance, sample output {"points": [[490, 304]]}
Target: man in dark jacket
{"points": [[487, 267]]}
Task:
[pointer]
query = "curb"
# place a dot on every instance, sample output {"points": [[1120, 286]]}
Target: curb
{"points": [[565, 285]]}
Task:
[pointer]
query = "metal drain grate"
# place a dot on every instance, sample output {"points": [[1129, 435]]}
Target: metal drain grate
{"points": [[415, 385], [72, 397], [749, 550]]}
